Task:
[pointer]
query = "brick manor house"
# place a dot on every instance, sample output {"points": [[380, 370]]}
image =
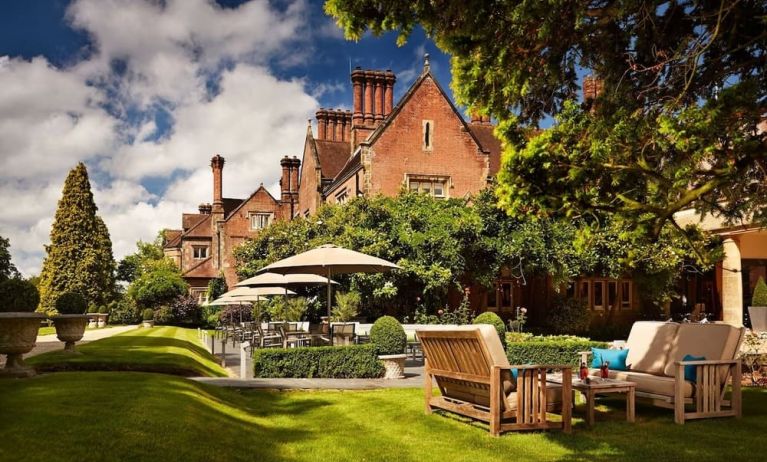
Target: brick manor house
{"points": [[424, 144]]}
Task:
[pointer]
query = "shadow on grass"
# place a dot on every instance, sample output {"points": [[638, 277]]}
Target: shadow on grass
{"points": [[655, 436], [135, 416], [148, 351]]}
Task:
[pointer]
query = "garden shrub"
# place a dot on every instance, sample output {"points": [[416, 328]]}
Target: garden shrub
{"points": [[92, 308], [71, 303], [124, 311], [355, 361], [210, 315], [185, 310], [234, 314], [567, 315], [550, 350], [147, 314], [18, 295], [488, 317], [347, 306], [760, 293], [388, 336], [163, 316]]}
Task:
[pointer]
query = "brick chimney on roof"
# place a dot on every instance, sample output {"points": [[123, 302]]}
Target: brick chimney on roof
{"points": [[205, 209], [217, 165], [373, 101], [592, 88]]}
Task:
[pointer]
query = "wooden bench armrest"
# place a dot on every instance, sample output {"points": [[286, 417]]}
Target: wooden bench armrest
{"points": [[538, 366]]}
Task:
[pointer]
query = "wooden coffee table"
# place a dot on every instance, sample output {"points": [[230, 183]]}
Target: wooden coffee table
{"points": [[597, 386]]}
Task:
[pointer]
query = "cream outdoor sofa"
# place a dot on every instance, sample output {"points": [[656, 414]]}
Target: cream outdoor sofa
{"points": [[655, 362]]}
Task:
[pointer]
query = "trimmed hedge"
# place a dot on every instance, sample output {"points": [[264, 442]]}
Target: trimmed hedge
{"points": [[348, 362], [550, 350]]}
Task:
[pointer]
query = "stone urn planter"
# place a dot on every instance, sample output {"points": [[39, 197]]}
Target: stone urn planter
{"points": [[394, 365], [93, 321], [18, 335], [101, 320], [70, 328], [147, 323]]}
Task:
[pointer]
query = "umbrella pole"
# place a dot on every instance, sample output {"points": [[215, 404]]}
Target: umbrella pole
{"points": [[329, 295], [285, 306]]}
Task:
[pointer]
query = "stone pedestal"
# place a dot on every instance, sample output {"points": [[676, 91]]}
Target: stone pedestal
{"points": [[732, 284], [394, 365]]}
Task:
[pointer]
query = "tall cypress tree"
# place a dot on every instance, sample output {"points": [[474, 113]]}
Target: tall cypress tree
{"points": [[80, 252]]}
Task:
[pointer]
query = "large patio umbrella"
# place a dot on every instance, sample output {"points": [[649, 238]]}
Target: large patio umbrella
{"points": [[327, 260]]}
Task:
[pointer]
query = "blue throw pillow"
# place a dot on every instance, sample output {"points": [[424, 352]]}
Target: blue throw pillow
{"points": [[691, 372], [616, 358]]}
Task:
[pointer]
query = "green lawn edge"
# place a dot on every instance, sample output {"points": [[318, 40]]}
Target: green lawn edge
{"points": [[169, 350]]}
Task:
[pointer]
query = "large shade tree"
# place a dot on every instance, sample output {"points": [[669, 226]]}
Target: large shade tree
{"points": [[684, 83], [79, 256], [7, 268]]}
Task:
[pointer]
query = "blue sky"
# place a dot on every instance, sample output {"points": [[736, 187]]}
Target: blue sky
{"points": [[146, 92]]}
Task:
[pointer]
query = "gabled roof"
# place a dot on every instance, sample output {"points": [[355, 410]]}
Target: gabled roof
{"points": [[332, 156], [173, 238], [411, 91], [189, 220], [245, 201], [201, 229], [483, 131], [231, 204], [352, 165], [203, 269]]}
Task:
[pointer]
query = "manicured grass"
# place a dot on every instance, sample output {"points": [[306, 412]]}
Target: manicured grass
{"points": [[139, 416], [50, 330], [172, 350]]}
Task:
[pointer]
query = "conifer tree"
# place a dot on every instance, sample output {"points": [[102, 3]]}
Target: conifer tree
{"points": [[79, 256]]}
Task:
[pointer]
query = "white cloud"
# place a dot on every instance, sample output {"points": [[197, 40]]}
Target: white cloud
{"points": [[150, 54]]}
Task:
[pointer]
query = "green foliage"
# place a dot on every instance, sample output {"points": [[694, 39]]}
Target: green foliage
{"points": [[148, 256], [567, 316], [388, 336], [280, 309], [217, 287], [92, 308], [356, 361], [163, 315], [157, 286], [71, 303], [7, 268], [124, 311], [147, 314], [550, 350], [18, 295], [488, 317], [760, 293], [79, 256], [347, 306], [675, 127]]}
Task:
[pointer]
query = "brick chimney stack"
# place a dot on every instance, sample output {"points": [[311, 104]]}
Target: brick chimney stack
{"points": [[205, 209], [217, 165], [389, 80], [369, 98], [285, 188], [477, 118], [378, 81], [322, 124], [358, 81]]}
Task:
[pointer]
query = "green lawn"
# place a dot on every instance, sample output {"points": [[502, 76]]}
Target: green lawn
{"points": [[50, 330], [139, 416], [172, 350]]}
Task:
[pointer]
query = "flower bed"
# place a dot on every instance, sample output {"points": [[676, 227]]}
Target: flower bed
{"points": [[349, 362]]}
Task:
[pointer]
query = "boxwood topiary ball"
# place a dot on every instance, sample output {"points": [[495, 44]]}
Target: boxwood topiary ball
{"points": [[18, 295], [147, 314], [488, 317], [388, 336], [71, 303]]}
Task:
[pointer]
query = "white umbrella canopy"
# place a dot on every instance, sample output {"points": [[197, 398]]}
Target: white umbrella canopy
{"points": [[255, 293], [328, 260], [284, 280]]}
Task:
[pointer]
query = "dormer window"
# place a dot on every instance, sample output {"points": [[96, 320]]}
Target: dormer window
{"points": [[428, 135], [200, 252]]}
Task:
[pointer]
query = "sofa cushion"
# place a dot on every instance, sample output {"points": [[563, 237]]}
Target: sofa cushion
{"points": [[648, 344], [649, 383], [713, 341]]}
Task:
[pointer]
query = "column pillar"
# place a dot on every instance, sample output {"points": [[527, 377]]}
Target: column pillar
{"points": [[732, 283]]}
